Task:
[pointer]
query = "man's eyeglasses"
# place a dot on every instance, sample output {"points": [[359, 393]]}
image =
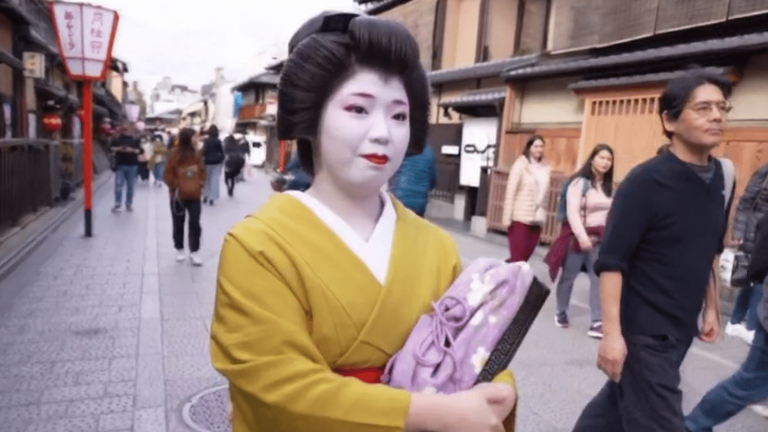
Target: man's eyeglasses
{"points": [[705, 109]]}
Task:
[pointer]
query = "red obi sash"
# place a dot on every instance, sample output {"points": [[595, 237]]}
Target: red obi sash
{"points": [[367, 375]]}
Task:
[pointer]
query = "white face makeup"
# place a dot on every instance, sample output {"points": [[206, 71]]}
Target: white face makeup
{"points": [[364, 132]]}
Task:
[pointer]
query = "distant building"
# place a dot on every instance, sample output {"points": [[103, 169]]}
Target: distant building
{"points": [[167, 96], [213, 105]]}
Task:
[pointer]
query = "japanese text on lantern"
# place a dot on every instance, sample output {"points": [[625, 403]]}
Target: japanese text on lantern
{"points": [[97, 29], [69, 18], [97, 33], [69, 30]]}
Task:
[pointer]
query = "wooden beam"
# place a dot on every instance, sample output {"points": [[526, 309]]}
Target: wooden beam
{"points": [[504, 141]]}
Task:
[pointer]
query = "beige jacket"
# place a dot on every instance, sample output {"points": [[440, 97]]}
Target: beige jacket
{"points": [[526, 192]]}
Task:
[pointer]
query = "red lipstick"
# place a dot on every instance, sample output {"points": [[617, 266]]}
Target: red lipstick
{"points": [[377, 159]]}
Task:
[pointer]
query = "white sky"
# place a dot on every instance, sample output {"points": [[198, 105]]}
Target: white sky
{"points": [[187, 39]]}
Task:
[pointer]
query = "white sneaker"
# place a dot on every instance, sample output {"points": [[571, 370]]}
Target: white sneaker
{"points": [[761, 410], [736, 330], [748, 336], [194, 258], [180, 255]]}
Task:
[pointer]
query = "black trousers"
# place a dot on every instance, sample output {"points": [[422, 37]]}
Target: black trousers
{"points": [[179, 211], [648, 396], [230, 178]]}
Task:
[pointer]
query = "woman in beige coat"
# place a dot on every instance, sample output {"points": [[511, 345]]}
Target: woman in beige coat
{"points": [[524, 211]]}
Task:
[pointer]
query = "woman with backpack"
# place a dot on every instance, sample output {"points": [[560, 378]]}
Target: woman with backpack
{"points": [[213, 152], [585, 201], [524, 212], [234, 163], [185, 176]]}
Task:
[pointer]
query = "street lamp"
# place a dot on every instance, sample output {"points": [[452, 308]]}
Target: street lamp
{"points": [[85, 34]]}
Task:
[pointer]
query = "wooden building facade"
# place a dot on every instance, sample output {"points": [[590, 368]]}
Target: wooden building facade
{"points": [[600, 83]]}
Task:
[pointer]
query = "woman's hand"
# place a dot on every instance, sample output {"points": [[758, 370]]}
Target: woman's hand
{"points": [[502, 402], [481, 409], [585, 244]]}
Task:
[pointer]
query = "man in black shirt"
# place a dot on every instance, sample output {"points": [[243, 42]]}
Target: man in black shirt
{"points": [[663, 236], [126, 150]]}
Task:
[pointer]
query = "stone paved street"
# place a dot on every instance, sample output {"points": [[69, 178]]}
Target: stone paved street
{"points": [[111, 333]]}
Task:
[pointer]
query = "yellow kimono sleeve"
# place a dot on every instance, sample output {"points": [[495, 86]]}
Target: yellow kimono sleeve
{"points": [[508, 377], [278, 378]]}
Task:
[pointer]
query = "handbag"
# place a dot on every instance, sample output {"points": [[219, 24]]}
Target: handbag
{"points": [[739, 278], [739, 266], [177, 207], [473, 332]]}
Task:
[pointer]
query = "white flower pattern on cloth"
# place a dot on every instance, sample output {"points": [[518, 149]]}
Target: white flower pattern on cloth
{"points": [[477, 319], [479, 289], [479, 358]]}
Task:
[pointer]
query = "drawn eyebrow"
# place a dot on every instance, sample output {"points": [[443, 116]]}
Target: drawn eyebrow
{"points": [[370, 96]]}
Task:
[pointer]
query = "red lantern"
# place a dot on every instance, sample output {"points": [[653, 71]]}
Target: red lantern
{"points": [[51, 123]]}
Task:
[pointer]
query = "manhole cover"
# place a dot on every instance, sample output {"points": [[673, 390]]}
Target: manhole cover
{"points": [[207, 411]]}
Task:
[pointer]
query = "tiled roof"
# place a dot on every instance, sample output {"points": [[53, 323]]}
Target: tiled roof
{"points": [[481, 70], [264, 78], [636, 79], [713, 47], [490, 96], [276, 66]]}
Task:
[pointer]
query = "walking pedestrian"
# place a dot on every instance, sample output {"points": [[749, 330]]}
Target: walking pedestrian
{"points": [[185, 176], [159, 157], [233, 165], [303, 345], [752, 206], [126, 150], [414, 179], [298, 179], [213, 152], [656, 263], [587, 201], [749, 385], [144, 159], [245, 150], [524, 208]]}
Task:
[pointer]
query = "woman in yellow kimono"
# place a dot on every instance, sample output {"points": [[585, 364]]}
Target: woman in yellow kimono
{"points": [[318, 289]]}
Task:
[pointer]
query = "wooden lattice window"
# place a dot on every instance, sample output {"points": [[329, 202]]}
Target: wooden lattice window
{"points": [[627, 122]]}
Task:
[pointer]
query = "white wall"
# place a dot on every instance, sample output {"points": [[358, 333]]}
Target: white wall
{"points": [[223, 116], [750, 99], [550, 101]]}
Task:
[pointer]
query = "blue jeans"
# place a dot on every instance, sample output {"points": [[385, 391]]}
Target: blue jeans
{"points": [[212, 180], [158, 171], [125, 175], [746, 304], [749, 385]]}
